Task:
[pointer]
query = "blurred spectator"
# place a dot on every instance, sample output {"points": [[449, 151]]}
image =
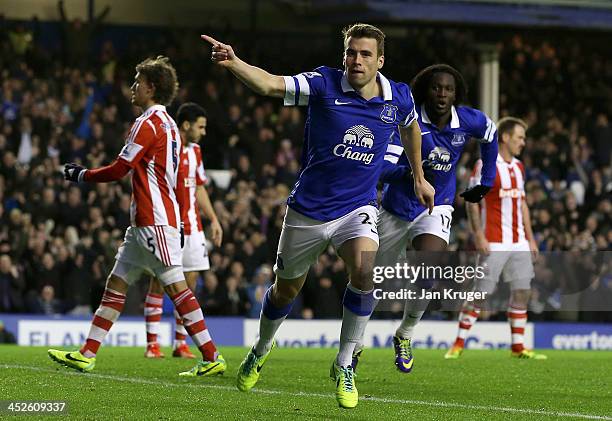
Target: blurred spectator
{"points": [[235, 301], [602, 141], [46, 303], [211, 296], [256, 291], [327, 301], [78, 34], [12, 286]]}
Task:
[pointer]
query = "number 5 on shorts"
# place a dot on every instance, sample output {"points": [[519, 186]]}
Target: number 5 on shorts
{"points": [[150, 244]]}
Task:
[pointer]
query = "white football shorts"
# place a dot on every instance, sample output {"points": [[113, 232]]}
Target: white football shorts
{"points": [[154, 250], [512, 262], [195, 253], [396, 234], [303, 239]]}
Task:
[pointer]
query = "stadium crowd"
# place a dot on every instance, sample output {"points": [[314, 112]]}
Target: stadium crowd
{"points": [[58, 241]]}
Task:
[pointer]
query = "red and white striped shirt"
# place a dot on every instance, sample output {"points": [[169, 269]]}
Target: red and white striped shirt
{"points": [[501, 209], [192, 175], [152, 151]]}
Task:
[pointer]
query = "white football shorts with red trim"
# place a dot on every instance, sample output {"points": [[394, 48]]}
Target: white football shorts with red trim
{"points": [[152, 249]]}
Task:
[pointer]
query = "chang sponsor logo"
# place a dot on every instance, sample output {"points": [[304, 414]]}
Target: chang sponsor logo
{"points": [[439, 159], [356, 137]]}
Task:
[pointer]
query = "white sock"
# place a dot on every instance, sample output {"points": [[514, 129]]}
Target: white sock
{"points": [[409, 321], [413, 312], [267, 330], [353, 327]]}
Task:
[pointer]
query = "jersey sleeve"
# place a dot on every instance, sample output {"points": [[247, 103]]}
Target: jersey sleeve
{"points": [[482, 127], [299, 89], [201, 178], [113, 172], [140, 139], [488, 153], [394, 148], [407, 109], [392, 172]]}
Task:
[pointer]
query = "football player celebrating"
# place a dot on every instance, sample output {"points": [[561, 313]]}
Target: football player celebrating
{"points": [[446, 127], [352, 114]]}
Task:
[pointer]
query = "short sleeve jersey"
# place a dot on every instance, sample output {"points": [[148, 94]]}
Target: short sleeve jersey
{"points": [[440, 151], [152, 151], [345, 140], [192, 175]]}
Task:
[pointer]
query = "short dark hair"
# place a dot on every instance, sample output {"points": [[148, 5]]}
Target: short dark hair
{"points": [[421, 81], [507, 125], [365, 30], [189, 111], [162, 75]]}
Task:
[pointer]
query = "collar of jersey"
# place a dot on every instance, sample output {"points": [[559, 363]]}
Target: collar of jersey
{"points": [[386, 86], [156, 107], [454, 123], [501, 159]]}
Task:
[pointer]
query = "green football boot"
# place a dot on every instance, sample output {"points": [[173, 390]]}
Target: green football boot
{"points": [[207, 368], [72, 359], [346, 392], [248, 372]]}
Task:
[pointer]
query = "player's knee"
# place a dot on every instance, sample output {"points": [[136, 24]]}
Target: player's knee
{"points": [[192, 279], [175, 288], [520, 297], [116, 284], [362, 277], [283, 293], [155, 286], [485, 286]]}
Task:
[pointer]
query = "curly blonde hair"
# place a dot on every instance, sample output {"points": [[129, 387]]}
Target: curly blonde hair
{"points": [[162, 75]]}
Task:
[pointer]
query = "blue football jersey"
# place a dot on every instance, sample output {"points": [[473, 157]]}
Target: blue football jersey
{"points": [[440, 151], [345, 140]]}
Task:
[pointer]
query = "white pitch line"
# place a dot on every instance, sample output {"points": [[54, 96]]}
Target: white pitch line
{"points": [[439, 404]]}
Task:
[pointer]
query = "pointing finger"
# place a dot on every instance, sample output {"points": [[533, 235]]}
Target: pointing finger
{"points": [[210, 40]]}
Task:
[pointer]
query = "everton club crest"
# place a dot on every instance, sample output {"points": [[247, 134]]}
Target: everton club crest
{"points": [[389, 113], [458, 139]]}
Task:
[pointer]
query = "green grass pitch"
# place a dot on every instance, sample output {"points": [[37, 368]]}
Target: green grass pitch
{"points": [[295, 384]]}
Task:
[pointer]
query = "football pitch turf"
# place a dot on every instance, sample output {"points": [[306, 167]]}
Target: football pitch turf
{"points": [[294, 383]]}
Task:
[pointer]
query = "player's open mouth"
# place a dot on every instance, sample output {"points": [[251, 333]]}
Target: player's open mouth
{"points": [[441, 106]]}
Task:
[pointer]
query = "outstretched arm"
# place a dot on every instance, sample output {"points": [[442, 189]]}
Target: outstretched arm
{"points": [[255, 78], [113, 172]]}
